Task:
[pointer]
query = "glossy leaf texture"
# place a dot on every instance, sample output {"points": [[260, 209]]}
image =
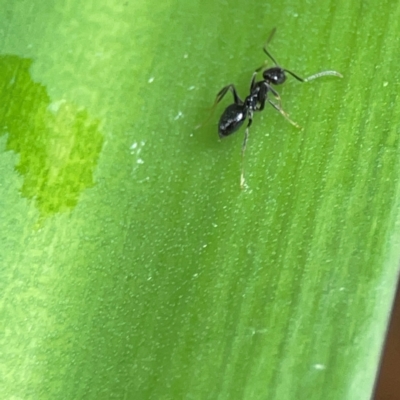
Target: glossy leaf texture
{"points": [[132, 264]]}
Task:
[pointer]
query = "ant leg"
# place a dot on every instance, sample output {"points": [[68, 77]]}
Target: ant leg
{"points": [[276, 94], [262, 66], [279, 107], [220, 96], [223, 92], [253, 81], [263, 95], [246, 136], [286, 116], [262, 105]]}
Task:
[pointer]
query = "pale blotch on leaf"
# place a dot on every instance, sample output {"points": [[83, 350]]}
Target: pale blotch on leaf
{"points": [[58, 144]]}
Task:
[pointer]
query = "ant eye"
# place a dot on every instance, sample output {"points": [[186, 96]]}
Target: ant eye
{"points": [[280, 78]]}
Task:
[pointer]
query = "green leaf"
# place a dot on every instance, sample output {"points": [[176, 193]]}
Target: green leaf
{"points": [[133, 265]]}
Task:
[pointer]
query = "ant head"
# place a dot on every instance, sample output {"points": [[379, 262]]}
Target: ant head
{"points": [[275, 75]]}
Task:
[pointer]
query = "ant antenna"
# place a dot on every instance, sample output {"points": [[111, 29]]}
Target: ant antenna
{"points": [[322, 73], [310, 78], [295, 76], [271, 35]]}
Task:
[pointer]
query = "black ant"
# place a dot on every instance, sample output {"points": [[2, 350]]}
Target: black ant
{"points": [[235, 114]]}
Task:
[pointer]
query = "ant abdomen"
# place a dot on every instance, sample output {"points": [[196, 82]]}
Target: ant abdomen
{"points": [[231, 119]]}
